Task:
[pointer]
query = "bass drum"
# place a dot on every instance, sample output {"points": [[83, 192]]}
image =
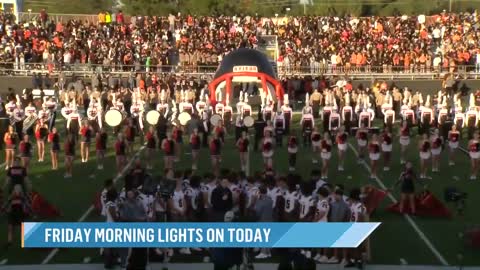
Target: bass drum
{"points": [[114, 117], [183, 118], [152, 117], [66, 111], [248, 121], [215, 119]]}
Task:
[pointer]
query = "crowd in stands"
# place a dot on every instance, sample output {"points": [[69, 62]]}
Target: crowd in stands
{"points": [[421, 43]]}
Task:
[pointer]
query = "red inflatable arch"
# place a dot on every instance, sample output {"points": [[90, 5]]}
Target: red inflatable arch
{"points": [[246, 65]]}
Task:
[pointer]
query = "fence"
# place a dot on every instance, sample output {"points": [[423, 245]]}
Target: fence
{"points": [[362, 72]]}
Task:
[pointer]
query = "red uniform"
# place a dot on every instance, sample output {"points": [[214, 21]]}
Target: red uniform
{"points": [[120, 148], [195, 142], [243, 145], [150, 138]]}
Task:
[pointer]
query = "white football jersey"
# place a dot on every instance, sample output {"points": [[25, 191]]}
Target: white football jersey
{"points": [[291, 199], [306, 203], [178, 200]]}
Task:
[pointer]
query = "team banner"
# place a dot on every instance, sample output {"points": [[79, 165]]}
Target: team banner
{"points": [[177, 235]]}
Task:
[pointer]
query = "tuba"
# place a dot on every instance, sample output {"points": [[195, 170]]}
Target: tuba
{"points": [[28, 122]]}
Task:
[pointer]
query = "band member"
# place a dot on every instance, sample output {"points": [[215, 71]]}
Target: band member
{"points": [[474, 151], [73, 123], [267, 112], [426, 117], [341, 140], [307, 123], [219, 108], [227, 112], [292, 153], [120, 153], [130, 134], [18, 117], [10, 107], [10, 139], [177, 136], [31, 115], [86, 134], [409, 114], [404, 140], [362, 140], [69, 149], [389, 119], [136, 113], [471, 121], [287, 113], [242, 146], [54, 140], [25, 149], [347, 113], [162, 106], [374, 155], [327, 110], [239, 127], [185, 106], [101, 147], [216, 145], [316, 100], [316, 139], [334, 121], [459, 120], [437, 144], [364, 119], [442, 118], [240, 103], [168, 148], [151, 145], [246, 108], [195, 143], [326, 153], [267, 151], [268, 129], [386, 149], [205, 126], [453, 139], [279, 121], [220, 131], [425, 154]]}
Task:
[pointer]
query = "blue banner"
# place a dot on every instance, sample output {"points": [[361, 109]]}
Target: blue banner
{"points": [[177, 235]]}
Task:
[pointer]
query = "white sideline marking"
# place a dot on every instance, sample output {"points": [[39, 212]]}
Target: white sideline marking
{"points": [[4, 261], [87, 259], [414, 225], [91, 208], [403, 261]]}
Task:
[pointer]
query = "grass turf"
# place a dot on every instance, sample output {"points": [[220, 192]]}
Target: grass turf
{"points": [[395, 239]]}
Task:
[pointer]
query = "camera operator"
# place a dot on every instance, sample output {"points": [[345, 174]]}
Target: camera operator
{"points": [[111, 213], [407, 188], [226, 258]]}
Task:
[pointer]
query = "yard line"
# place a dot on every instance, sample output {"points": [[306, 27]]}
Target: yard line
{"points": [[412, 223], [92, 207]]}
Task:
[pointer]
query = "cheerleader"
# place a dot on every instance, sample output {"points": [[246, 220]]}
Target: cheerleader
{"points": [[242, 146], [292, 153], [386, 149], [177, 135], [151, 144], [404, 140], [130, 133], [341, 140], [220, 131], [69, 149], [54, 140], [10, 140], [453, 138], [120, 153], [362, 140], [315, 138], [374, 155], [215, 153], [86, 134], [424, 147], [25, 149], [195, 143], [101, 147], [168, 148], [41, 133], [267, 151], [474, 151], [326, 153], [436, 142]]}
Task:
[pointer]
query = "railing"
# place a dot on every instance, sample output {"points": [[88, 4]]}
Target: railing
{"points": [[411, 72]]}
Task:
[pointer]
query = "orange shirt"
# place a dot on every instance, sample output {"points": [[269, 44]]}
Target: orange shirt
{"points": [[359, 59]]}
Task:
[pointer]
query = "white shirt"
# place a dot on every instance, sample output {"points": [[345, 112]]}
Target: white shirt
{"points": [[178, 200], [306, 202], [291, 198]]}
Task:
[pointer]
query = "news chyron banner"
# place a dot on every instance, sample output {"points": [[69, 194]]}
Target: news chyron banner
{"points": [[177, 235]]}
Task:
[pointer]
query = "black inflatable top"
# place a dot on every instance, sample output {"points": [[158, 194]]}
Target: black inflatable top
{"points": [[245, 57]]}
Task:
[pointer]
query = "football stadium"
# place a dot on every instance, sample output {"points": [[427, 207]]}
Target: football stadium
{"points": [[293, 112]]}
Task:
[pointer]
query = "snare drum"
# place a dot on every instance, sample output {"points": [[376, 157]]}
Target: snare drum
{"points": [[183, 118], [114, 117], [248, 121], [215, 119], [152, 117]]}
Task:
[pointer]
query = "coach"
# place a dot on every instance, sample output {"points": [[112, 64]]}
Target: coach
{"points": [[222, 199]]}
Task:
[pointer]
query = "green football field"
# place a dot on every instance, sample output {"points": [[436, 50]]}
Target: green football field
{"points": [[400, 239]]}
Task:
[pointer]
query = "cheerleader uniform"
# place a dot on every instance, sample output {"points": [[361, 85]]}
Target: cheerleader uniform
{"points": [[54, 139], [387, 143], [326, 150], [267, 149], [169, 147], [41, 134], [436, 146], [69, 149], [405, 136], [362, 138], [374, 151], [151, 143], [86, 134], [453, 140], [130, 134], [120, 148], [101, 142], [342, 142], [25, 149], [215, 147], [316, 138], [425, 150], [195, 142], [474, 149], [292, 152], [243, 145], [11, 141]]}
